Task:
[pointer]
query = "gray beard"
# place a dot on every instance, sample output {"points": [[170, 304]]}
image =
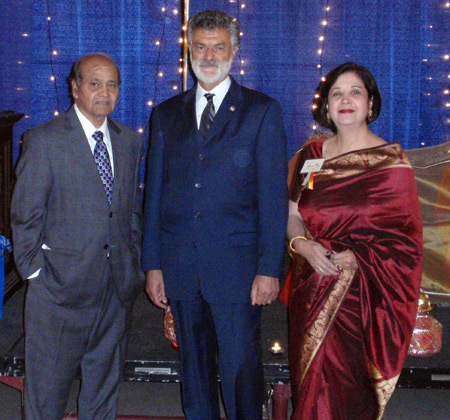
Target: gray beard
{"points": [[222, 70]]}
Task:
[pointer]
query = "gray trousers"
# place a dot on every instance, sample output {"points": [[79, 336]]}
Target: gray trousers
{"points": [[60, 340]]}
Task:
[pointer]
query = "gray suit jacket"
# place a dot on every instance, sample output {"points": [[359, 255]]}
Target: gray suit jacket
{"points": [[59, 201]]}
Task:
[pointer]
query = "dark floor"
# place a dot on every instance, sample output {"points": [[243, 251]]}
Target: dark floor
{"points": [[163, 399]]}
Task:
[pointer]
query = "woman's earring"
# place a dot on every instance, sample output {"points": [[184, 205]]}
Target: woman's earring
{"points": [[370, 114], [328, 118]]}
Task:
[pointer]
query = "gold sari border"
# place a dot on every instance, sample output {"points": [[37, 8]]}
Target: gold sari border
{"points": [[384, 388], [315, 335], [359, 162]]}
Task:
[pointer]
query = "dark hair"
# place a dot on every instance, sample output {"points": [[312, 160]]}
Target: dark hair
{"points": [[212, 19], [75, 71], [320, 102]]}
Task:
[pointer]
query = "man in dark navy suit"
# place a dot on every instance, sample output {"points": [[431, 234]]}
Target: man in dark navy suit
{"points": [[215, 222]]}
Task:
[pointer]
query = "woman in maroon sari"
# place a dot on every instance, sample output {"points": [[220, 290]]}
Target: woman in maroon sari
{"points": [[355, 234]]}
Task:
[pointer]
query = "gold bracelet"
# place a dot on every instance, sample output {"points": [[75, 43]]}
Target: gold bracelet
{"points": [[292, 241]]}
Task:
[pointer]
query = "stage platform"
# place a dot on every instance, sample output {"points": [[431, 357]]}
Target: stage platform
{"points": [[152, 359]]}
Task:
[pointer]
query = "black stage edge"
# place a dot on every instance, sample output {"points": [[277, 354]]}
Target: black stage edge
{"points": [[152, 359]]}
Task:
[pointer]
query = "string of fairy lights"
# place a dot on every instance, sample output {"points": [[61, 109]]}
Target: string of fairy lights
{"points": [[323, 36], [53, 53], [240, 8], [181, 67], [159, 74], [159, 44], [182, 40], [444, 94], [322, 39], [165, 10]]}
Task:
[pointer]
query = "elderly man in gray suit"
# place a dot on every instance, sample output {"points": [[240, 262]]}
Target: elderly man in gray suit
{"points": [[76, 220]]}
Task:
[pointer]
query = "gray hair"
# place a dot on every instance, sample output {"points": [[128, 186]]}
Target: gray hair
{"points": [[212, 19]]}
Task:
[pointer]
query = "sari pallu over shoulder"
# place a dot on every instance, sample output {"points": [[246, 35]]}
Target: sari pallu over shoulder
{"points": [[365, 201]]}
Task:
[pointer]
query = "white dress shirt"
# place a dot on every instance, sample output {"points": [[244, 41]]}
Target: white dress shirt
{"points": [[219, 93], [89, 129]]}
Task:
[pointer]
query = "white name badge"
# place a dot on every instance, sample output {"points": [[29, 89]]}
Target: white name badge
{"points": [[312, 165]]}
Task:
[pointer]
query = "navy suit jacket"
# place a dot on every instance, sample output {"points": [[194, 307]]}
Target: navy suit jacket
{"points": [[59, 201], [216, 208]]}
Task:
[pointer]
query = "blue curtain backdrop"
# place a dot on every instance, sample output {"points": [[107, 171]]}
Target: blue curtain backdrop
{"points": [[404, 43]]}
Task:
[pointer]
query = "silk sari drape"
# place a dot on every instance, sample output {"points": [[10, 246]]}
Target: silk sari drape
{"points": [[349, 334]]}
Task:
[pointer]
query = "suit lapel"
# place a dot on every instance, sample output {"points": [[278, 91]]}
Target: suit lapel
{"points": [[119, 156], [189, 115], [78, 144], [231, 105], [81, 153]]}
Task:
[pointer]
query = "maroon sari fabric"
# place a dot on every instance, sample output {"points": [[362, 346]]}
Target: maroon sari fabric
{"points": [[349, 334]]}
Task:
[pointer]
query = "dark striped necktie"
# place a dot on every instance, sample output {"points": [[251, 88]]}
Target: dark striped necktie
{"points": [[208, 114]]}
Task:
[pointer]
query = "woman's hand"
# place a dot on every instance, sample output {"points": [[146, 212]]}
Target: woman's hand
{"points": [[317, 255], [345, 260]]}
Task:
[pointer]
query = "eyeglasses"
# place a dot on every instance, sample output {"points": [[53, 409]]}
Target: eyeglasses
{"points": [[216, 49]]}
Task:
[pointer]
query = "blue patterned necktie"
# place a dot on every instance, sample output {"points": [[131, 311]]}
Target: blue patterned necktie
{"points": [[101, 158], [208, 114]]}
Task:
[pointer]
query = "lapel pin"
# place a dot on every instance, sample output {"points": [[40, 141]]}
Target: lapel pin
{"points": [[232, 108]]}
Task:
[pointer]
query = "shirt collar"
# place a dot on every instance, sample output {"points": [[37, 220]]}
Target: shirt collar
{"points": [[219, 92], [88, 127]]}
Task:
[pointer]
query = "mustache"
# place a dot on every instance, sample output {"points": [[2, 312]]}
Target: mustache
{"points": [[209, 63]]}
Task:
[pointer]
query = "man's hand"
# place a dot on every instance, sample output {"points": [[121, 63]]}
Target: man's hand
{"points": [[264, 290], [155, 288]]}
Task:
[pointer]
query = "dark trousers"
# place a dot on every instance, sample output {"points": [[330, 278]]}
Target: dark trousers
{"points": [[59, 340], [231, 331]]}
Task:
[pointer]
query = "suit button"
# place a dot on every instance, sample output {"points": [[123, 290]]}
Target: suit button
{"points": [[197, 185], [197, 214], [111, 214], [201, 157], [106, 246]]}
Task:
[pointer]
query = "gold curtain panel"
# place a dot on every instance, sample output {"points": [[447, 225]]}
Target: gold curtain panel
{"points": [[431, 167]]}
